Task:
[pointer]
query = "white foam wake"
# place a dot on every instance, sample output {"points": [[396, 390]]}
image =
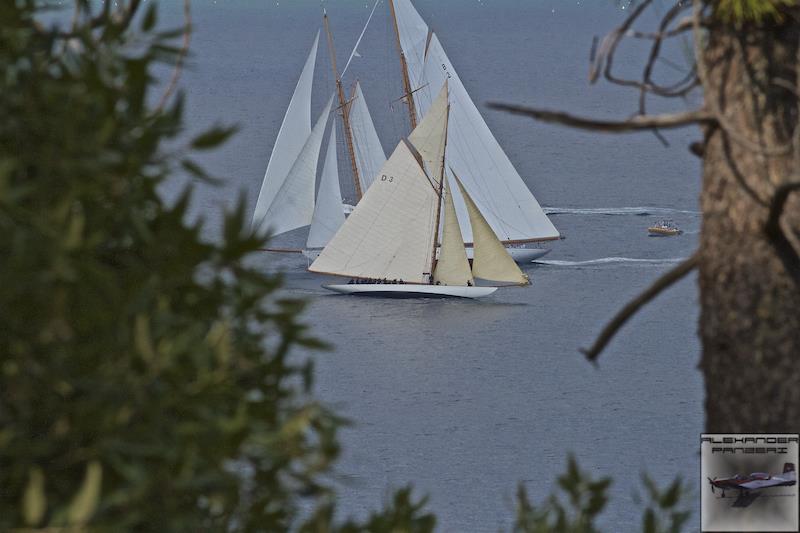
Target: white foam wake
{"points": [[636, 211], [611, 260]]}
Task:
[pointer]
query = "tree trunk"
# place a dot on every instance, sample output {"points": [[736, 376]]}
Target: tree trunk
{"points": [[750, 305]]}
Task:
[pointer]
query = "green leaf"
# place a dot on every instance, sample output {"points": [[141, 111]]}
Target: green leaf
{"points": [[649, 522], [670, 497], [149, 20], [212, 138], [85, 501], [34, 501], [198, 172]]}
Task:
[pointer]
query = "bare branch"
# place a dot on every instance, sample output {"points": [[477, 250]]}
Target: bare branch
{"points": [[684, 25], [655, 50], [632, 307], [635, 123], [610, 42], [176, 73], [777, 237], [602, 57]]}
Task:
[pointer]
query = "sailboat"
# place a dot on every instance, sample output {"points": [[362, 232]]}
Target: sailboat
{"points": [[388, 244], [286, 200], [474, 154]]}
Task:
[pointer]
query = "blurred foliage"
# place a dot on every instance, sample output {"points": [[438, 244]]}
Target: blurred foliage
{"points": [[666, 510], [742, 11], [146, 381], [145, 376], [586, 499]]}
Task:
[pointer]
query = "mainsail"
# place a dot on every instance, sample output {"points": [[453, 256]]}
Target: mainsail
{"points": [[391, 231], [328, 214], [473, 152], [491, 260], [293, 205], [367, 146], [294, 132]]}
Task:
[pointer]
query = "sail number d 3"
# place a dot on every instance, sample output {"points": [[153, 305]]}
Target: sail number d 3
{"points": [[384, 177]]}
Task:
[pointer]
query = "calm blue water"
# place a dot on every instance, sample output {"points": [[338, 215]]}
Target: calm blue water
{"points": [[466, 399]]}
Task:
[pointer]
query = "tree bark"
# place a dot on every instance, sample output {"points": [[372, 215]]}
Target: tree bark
{"points": [[750, 305]]}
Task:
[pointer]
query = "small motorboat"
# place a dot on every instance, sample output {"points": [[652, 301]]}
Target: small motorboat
{"points": [[664, 228]]}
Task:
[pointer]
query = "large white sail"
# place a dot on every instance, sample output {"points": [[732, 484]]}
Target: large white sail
{"points": [[481, 164], [491, 260], [293, 206], [391, 231], [472, 150], [413, 33], [292, 136], [328, 214], [452, 268], [369, 152]]}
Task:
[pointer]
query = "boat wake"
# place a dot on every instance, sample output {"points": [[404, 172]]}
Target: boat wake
{"points": [[611, 211], [630, 261]]}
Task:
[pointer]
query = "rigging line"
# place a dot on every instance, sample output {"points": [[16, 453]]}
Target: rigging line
{"points": [[409, 94], [358, 42]]}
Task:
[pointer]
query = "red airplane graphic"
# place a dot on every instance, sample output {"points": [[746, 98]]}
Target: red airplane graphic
{"points": [[755, 481]]}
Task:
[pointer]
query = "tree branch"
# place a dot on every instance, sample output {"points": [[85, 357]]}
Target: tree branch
{"points": [[683, 25], [609, 44], [636, 123], [602, 57], [777, 237], [632, 307], [655, 50], [176, 73]]}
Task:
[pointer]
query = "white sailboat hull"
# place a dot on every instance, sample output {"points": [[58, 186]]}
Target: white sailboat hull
{"points": [[411, 291], [520, 255]]}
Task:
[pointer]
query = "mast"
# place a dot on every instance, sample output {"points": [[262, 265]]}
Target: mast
{"points": [[345, 107], [412, 109], [441, 195]]}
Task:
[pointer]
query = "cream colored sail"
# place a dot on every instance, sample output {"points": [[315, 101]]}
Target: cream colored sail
{"points": [[391, 231], [430, 136], [491, 261], [292, 136], [293, 206], [452, 268]]}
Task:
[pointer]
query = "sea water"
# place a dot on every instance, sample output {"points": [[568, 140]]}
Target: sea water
{"points": [[466, 399]]}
